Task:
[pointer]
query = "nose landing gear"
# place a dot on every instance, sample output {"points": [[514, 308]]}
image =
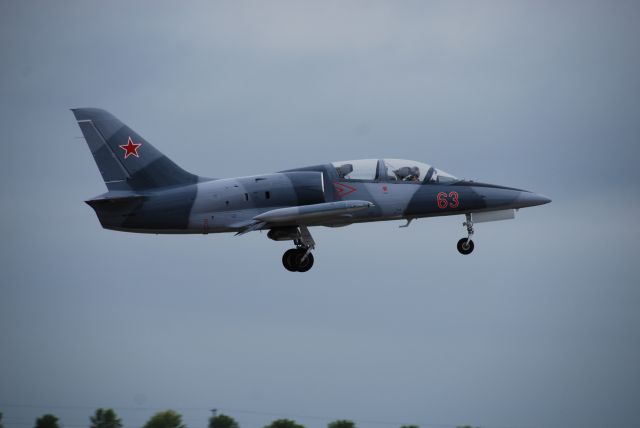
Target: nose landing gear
{"points": [[300, 259], [465, 245]]}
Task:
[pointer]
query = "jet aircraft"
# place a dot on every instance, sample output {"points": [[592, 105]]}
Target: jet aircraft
{"points": [[148, 193]]}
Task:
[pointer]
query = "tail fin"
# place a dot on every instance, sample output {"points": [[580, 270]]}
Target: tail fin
{"points": [[125, 159]]}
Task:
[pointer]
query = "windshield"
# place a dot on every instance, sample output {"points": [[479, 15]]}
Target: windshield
{"points": [[400, 170], [407, 170]]}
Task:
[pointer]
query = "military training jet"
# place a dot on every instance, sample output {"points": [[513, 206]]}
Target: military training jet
{"points": [[148, 193]]}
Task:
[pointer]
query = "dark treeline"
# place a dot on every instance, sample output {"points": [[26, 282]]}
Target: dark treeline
{"points": [[107, 418]]}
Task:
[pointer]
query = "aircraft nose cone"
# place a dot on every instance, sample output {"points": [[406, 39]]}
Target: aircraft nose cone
{"points": [[530, 199]]}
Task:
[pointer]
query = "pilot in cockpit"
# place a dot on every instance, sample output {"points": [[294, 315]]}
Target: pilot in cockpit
{"points": [[408, 173]]}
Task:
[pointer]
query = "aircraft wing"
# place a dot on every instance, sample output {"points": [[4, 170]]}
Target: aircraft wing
{"points": [[305, 214]]}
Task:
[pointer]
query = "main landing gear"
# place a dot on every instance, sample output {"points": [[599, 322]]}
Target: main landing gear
{"points": [[465, 245], [297, 260], [300, 259]]}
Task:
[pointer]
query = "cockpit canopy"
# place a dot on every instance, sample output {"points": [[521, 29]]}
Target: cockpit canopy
{"points": [[391, 170]]}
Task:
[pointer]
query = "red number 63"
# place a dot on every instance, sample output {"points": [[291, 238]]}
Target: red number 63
{"points": [[451, 200]]}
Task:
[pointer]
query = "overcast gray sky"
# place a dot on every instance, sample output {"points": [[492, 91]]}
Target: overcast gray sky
{"points": [[538, 328]]}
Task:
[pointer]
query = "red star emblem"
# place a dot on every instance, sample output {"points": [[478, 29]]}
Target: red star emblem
{"points": [[130, 149]]}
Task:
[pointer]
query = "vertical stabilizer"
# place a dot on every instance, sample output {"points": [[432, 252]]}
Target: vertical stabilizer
{"points": [[125, 159]]}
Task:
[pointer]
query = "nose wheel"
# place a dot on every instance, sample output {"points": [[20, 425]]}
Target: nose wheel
{"points": [[300, 259], [465, 245]]}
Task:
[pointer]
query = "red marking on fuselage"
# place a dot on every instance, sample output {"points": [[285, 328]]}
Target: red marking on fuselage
{"points": [[343, 189], [385, 189], [130, 149], [455, 201], [452, 200], [442, 200]]}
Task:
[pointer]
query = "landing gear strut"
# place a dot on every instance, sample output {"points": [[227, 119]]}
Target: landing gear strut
{"points": [[300, 259], [465, 245]]}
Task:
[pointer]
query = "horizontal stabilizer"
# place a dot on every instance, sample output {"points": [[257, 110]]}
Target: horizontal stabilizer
{"points": [[105, 201]]}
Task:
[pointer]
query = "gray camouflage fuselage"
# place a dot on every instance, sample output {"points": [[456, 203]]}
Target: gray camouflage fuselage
{"points": [[148, 193], [228, 205]]}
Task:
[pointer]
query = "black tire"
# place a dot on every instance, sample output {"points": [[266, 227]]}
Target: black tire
{"points": [[289, 260], [463, 248], [304, 266]]}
